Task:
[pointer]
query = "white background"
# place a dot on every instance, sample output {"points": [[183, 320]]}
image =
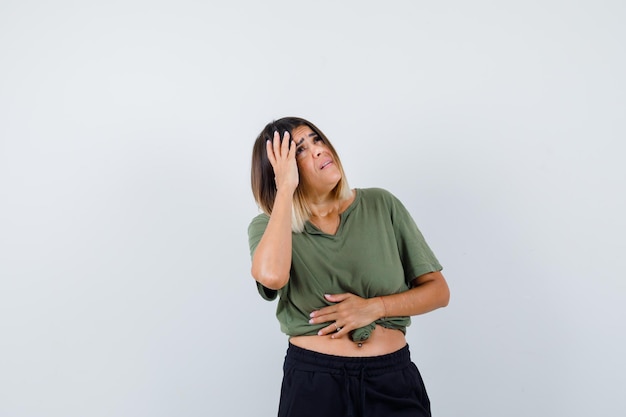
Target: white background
{"points": [[126, 130]]}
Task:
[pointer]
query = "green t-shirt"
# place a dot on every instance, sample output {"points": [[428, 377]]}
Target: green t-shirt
{"points": [[377, 250]]}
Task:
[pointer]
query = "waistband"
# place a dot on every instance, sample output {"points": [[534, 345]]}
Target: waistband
{"points": [[305, 359]]}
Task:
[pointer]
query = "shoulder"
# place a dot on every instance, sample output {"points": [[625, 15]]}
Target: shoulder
{"points": [[258, 223], [384, 200], [256, 229], [377, 194], [374, 192]]}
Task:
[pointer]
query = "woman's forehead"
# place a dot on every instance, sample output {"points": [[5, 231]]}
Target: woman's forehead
{"points": [[300, 133]]}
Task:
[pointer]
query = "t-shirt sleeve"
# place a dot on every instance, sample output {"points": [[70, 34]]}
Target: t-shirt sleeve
{"points": [[255, 233], [417, 257]]}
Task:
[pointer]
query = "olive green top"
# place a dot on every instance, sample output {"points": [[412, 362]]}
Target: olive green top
{"points": [[377, 250]]}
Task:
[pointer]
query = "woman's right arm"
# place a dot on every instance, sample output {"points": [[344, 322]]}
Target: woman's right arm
{"points": [[271, 261]]}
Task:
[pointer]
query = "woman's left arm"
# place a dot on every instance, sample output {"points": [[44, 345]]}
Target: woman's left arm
{"points": [[428, 292]]}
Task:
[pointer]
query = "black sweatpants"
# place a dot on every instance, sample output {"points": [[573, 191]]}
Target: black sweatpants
{"points": [[319, 385]]}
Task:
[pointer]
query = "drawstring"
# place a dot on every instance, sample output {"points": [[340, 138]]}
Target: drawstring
{"points": [[346, 378], [361, 398], [362, 383]]}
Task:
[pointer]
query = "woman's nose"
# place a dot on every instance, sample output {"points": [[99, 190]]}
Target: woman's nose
{"points": [[317, 150]]}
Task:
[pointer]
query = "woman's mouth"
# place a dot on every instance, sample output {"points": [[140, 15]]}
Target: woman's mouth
{"points": [[325, 164]]}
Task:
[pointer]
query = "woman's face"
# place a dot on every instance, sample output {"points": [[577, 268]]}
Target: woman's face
{"points": [[316, 164]]}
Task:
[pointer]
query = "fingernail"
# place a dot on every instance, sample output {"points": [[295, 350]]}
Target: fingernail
{"points": [[311, 321]]}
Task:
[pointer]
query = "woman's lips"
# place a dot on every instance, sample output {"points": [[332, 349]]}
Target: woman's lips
{"points": [[325, 164]]}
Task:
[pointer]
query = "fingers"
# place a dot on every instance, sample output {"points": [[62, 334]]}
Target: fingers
{"points": [[338, 327], [278, 149], [325, 314], [285, 144], [337, 298], [270, 150], [348, 313], [276, 144], [334, 330], [282, 157]]}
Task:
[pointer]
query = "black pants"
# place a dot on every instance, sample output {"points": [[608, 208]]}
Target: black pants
{"points": [[319, 385]]}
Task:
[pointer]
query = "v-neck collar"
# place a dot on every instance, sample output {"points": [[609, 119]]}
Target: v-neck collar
{"points": [[310, 228]]}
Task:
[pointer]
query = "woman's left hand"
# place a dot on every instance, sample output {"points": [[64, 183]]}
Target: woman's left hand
{"points": [[349, 313]]}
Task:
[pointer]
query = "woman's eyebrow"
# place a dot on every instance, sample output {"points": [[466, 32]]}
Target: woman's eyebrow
{"points": [[301, 141]]}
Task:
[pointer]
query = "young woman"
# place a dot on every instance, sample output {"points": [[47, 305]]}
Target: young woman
{"points": [[349, 268]]}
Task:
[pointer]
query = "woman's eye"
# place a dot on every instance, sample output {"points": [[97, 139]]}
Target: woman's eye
{"points": [[299, 150]]}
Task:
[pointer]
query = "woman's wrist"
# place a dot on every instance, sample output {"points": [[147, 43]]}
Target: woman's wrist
{"points": [[382, 307]]}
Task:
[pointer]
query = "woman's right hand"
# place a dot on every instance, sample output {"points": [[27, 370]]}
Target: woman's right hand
{"points": [[282, 156]]}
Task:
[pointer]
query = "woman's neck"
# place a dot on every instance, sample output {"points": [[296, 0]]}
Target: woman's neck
{"points": [[325, 209], [329, 207], [326, 217]]}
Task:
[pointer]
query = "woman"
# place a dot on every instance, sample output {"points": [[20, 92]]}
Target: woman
{"points": [[349, 267]]}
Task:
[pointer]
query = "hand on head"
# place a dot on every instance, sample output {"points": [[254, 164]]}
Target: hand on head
{"points": [[282, 156]]}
